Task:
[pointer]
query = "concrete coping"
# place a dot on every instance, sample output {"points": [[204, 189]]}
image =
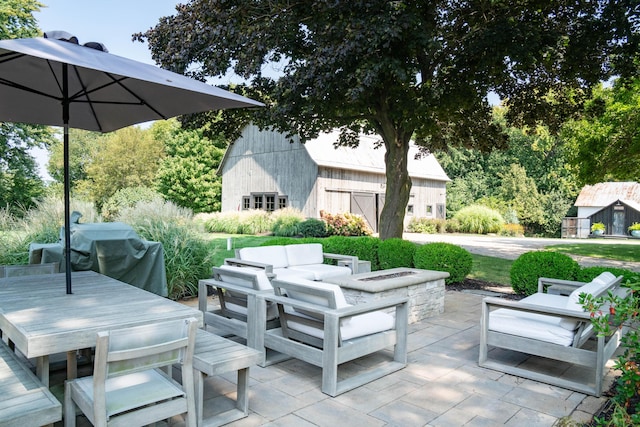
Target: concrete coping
{"points": [[416, 276]]}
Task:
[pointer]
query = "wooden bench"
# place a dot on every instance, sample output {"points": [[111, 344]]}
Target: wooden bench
{"points": [[24, 400], [215, 355]]}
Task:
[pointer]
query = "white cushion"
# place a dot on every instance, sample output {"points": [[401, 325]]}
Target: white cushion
{"points": [[593, 287], [262, 280], [307, 253], [316, 299], [289, 273], [355, 327], [273, 255], [530, 325], [321, 271]]}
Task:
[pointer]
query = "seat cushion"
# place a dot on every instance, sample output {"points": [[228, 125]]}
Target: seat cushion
{"points": [[276, 256], [321, 271], [288, 273], [306, 253], [262, 280], [354, 327]]}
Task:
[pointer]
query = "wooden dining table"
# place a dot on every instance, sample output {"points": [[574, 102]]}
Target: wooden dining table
{"points": [[41, 319]]}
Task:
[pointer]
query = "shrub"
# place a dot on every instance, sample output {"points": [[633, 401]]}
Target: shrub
{"points": [[587, 274], [186, 255], [447, 257], [512, 230], [312, 227], [396, 252], [286, 221], [621, 311], [530, 266], [479, 219], [364, 247], [426, 225], [345, 224], [127, 198], [244, 222]]}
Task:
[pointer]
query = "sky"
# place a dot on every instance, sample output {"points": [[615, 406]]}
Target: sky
{"points": [[110, 22]]}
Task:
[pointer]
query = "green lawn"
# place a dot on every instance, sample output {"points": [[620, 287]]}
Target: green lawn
{"points": [[491, 269], [620, 252]]}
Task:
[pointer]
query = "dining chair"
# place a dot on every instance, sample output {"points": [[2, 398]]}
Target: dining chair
{"points": [[28, 269], [131, 383]]}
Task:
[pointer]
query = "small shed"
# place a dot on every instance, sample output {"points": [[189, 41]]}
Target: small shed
{"points": [[615, 204], [264, 170]]}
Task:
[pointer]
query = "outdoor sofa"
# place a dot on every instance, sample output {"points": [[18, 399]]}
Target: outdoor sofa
{"points": [[552, 326]]}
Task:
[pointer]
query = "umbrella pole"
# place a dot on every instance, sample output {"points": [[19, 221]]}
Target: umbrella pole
{"points": [[67, 187]]}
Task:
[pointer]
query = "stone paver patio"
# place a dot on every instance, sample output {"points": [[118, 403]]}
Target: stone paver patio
{"points": [[442, 385]]}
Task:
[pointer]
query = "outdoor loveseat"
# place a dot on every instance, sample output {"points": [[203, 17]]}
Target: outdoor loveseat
{"points": [[304, 260], [551, 326]]}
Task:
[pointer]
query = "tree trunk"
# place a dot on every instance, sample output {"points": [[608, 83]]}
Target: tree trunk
{"points": [[398, 187]]}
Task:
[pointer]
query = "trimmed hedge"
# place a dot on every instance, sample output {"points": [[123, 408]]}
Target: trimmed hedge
{"points": [[587, 274], [447, 257], [530, 266], [393, 253]]}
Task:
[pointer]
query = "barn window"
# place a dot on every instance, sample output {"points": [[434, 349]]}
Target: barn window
{"points": [[429, 210], [282, 202], [270, 202], [264, 201], [409, 210]]}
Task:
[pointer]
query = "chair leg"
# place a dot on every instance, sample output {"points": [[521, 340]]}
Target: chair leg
{"points": [[69, 412]]}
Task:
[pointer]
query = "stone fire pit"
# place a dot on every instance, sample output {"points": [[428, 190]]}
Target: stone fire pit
{"points": [[425, 289]]}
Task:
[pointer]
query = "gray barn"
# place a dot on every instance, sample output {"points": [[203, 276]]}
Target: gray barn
{"points": [[263, 170]]}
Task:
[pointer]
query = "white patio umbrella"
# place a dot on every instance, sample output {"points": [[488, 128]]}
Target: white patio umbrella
{"points": [[57, 82]]}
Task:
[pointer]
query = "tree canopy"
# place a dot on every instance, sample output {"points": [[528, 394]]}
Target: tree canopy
{"points": [[605, 142], [20, 183], [404, 69]]}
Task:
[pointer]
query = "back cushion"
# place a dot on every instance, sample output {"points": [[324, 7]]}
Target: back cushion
{"points": [[341, 302], [593, 287], [274, 255], [307, 253], [262, 279]]}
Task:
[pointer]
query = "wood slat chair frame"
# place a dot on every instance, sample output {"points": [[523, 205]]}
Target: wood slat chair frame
{"points": [[136, 362], [331, 351], [28, 269], [593, 358], [225, 322], [24, 400]]}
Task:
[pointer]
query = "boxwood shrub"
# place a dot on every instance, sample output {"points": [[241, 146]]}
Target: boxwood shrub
{"points": [[587, 274], [447, 257], [530, 266], [396, 252]]}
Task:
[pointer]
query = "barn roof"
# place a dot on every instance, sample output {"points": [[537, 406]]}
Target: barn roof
{"points": [[367, 158], [607, 193]]}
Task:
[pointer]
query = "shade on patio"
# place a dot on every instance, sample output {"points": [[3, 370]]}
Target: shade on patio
{"points": [[55, 81]]}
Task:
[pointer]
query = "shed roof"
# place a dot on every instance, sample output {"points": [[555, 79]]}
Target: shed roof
{"points": [[606, 193], [367, 158]]}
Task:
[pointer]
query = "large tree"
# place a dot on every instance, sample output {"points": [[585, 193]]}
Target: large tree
{"points": [[402, 69]]}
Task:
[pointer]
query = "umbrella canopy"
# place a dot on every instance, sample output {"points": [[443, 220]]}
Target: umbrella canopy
{"points": [[55, 82]]}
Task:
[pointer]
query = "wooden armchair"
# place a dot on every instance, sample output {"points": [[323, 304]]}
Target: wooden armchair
{"points": [[552, 326], [319, 327], [128, 386], [241, 313]]}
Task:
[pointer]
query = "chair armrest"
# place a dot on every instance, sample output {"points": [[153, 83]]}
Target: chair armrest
{"points": [[544, 282], [535, 308], [237, 262], [351, 261]]}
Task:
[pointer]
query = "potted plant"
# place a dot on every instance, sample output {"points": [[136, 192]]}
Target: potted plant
{"points": [[634, 229], [597, 229]]}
